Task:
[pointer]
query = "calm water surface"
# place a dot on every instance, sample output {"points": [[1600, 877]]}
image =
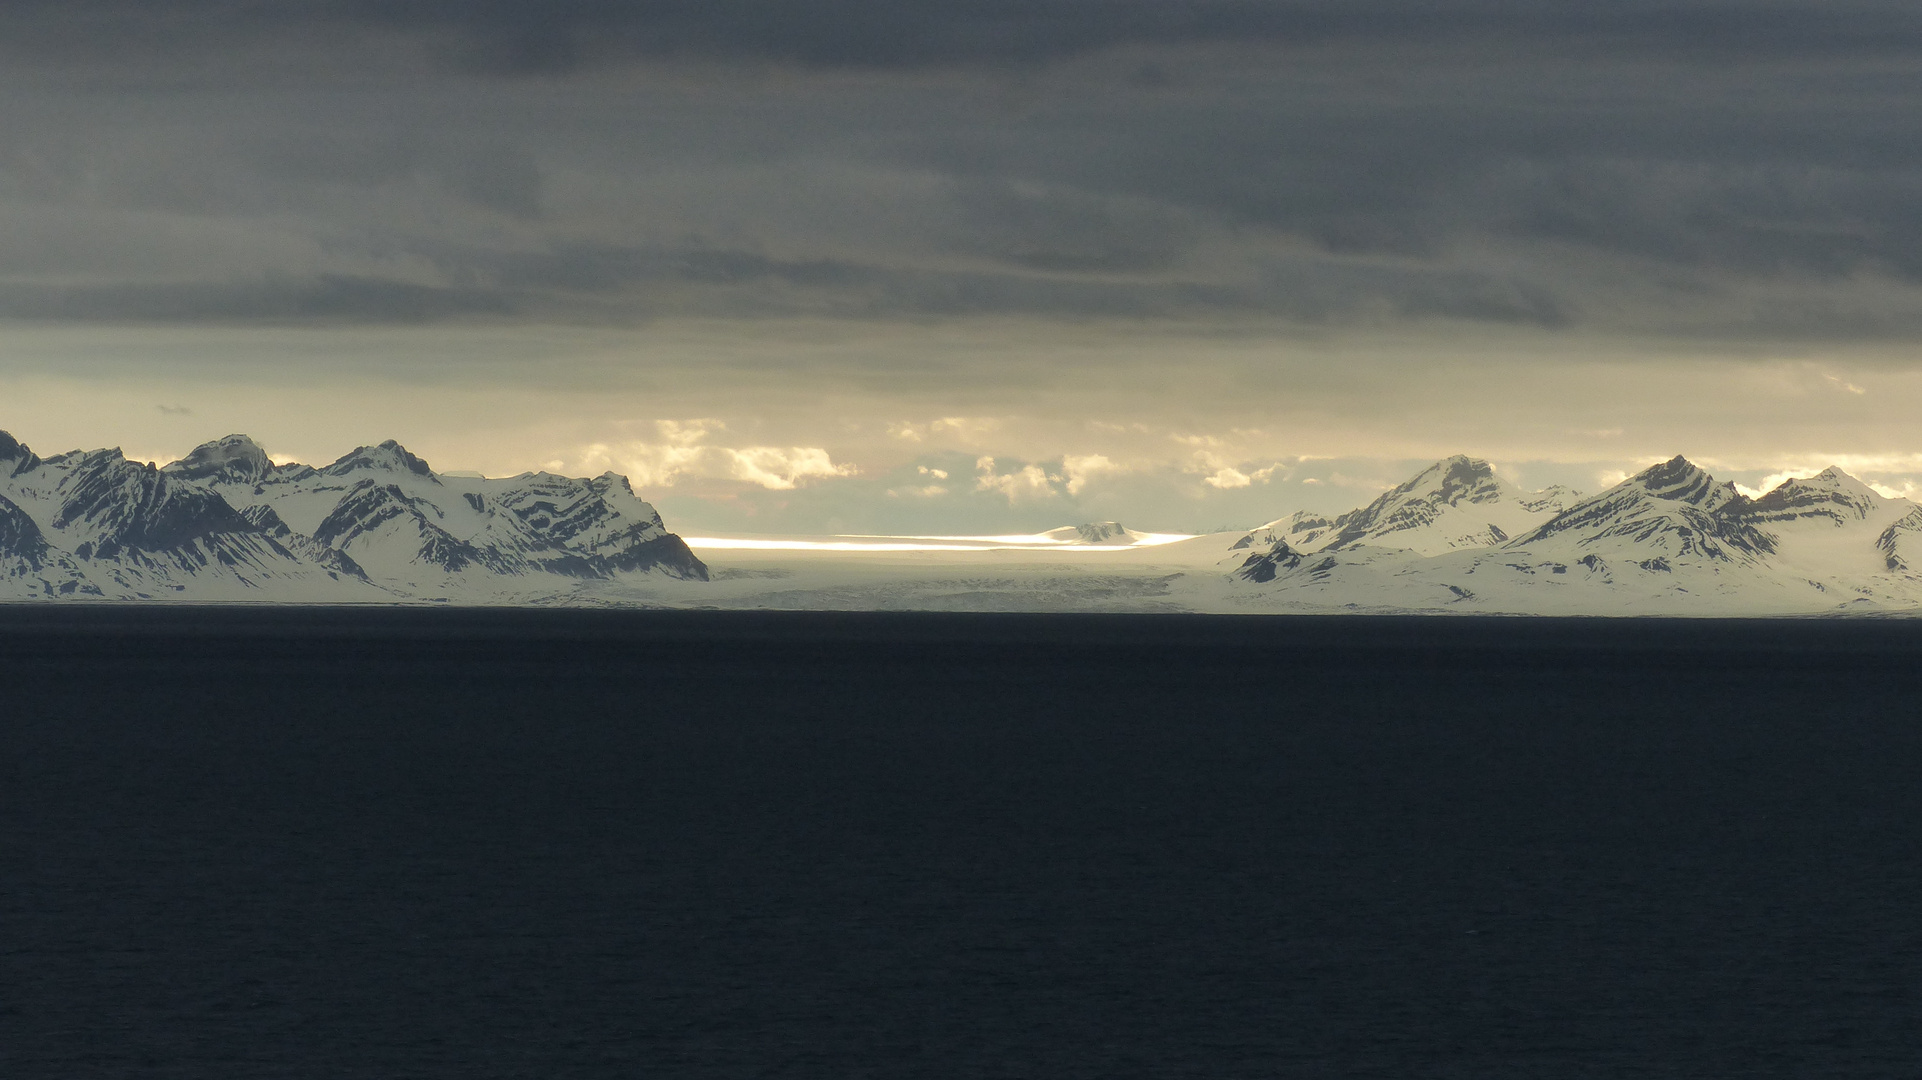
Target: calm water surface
{"points": [[286, 843]]}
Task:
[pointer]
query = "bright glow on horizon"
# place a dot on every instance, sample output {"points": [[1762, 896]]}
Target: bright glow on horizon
{"points": [[856, 543], [1033, 540]]}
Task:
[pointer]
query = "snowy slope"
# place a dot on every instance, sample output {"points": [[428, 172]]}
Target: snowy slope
{"points": [[1900, 545], [1829, 526]]}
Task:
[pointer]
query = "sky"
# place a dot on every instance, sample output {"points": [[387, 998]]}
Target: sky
{"points": [[979, 266]]}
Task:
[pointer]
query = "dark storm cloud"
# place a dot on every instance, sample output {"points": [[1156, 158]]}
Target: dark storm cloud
{"points": [[1700, 168], [549, 36], [325, 297], [523, 37]]}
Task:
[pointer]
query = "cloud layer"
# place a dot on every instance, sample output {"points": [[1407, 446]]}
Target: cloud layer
{"points": [[872, 240], [1696, 169]]}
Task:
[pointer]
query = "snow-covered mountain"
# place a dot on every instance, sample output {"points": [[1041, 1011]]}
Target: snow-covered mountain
{"points": [[1669, 539], [1670, 511], [1456, 503], [226, 523]]}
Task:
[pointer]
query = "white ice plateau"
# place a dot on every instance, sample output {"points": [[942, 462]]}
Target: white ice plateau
{"points": [[227, 524]]}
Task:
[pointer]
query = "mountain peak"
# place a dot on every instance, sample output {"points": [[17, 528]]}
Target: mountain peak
{"points": [[1831, 493], [236, 458], [19, 459], [389, 456], [1834, 479], [1680, 480], [1456, 502], [1674, 470], [1451, 477], [1675, 509]]}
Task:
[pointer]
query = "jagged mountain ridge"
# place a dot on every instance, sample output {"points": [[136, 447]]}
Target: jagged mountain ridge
{"points": [[226, 522], [1831, 493], [1660, 539], [1672, 509], [107, 527], [1458, 502]]}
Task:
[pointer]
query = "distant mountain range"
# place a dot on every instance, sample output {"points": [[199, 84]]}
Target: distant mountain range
{"points": [[225, 523], [1669, 539]]}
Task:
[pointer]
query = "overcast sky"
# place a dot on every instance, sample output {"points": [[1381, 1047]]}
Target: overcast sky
{"points": [[887, 265]]}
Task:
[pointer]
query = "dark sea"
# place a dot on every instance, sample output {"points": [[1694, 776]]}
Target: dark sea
{"points": [[259, 843]]}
